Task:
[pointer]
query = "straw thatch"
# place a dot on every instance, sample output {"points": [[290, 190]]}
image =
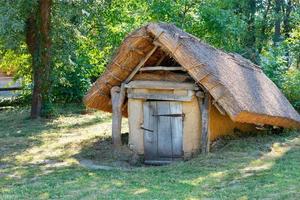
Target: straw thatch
{"points": [[237, 85]]}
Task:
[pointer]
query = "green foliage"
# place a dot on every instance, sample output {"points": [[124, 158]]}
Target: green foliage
{"points": [[13, 63], [219, 27], [13, 18], [210, 21], [70, 83], [85, 34], [274, 64], [294, 45], [291, 86], [17, 63]]}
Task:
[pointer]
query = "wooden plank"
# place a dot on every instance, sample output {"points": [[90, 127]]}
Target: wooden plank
{"points": [[176, 126], [162, 68], [164, 132], [205, 138], [161, 59], [135, 110], [11, 88], [150, 137], [141, 63], [170, 97], [219, 108], [117, 98], [200, 99], [161, 85], [166, 76]]}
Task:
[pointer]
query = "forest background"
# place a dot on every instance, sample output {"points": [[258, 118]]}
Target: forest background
{"points": [[60, 47]]}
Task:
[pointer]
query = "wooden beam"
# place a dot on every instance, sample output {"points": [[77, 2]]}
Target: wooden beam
{"points": [[169, 97], [165, 76], [200, 95], [117, 99], [219, 108], [141, 63], [162, 68], [161, 59], [161, 85], [11, 88], [157, 43], [205, 137]]}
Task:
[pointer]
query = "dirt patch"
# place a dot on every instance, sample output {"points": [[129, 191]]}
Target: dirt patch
{"points": [[102, 155]]}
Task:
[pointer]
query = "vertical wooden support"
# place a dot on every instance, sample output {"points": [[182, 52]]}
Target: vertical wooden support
{"points": [[205, 137], [117, 99]]}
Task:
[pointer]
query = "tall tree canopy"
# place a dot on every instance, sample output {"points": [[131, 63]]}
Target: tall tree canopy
{"points": [[85, 33]]}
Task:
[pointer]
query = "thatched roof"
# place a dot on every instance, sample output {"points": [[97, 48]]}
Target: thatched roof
{"points": [[236, 84]]}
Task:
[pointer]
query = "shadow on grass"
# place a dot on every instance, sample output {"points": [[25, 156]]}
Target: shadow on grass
{"points": [[18, 133], [102, 154], [248, 167], [244, 167], [85, 124], [220, 175]]}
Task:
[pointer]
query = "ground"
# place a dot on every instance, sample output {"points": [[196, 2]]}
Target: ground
{"points": [[58, 159]]}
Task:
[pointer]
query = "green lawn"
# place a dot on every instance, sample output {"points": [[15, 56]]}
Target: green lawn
{"points": [[38, 160]]}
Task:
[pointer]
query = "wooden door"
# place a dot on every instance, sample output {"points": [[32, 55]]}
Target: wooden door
{"points": [[162, 131]]}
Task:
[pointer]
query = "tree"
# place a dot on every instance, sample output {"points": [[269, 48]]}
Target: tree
{"points": [[277, 24], [249, 9], [264, 24], [39, 42], [28, 22], [84, 35]]}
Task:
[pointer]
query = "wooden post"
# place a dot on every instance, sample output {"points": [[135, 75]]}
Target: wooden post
{"points": [[117, 99], [205, 137]]}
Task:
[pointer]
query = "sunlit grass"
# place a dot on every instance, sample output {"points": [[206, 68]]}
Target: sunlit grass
{"points": [[38, 161]]}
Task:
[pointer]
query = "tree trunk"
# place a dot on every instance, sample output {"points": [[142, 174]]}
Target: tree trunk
{"points": [[277, 24], [39, 42], [263, 35], [286, 19], [287, 28], [250, 40]]}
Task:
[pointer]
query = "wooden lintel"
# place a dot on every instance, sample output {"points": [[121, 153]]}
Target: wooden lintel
{"points": [[141, 63], [162, 68], [205, 130], [169, 97], [161, 85]]}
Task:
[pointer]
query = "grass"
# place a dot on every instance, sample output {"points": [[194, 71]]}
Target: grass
{"points": [[39, 160]]}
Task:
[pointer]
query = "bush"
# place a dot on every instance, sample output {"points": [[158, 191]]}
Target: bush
{"points": [[291, 86], [11, 63]]}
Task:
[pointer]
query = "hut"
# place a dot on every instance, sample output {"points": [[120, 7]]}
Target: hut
{"points": [[179, 94]]}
